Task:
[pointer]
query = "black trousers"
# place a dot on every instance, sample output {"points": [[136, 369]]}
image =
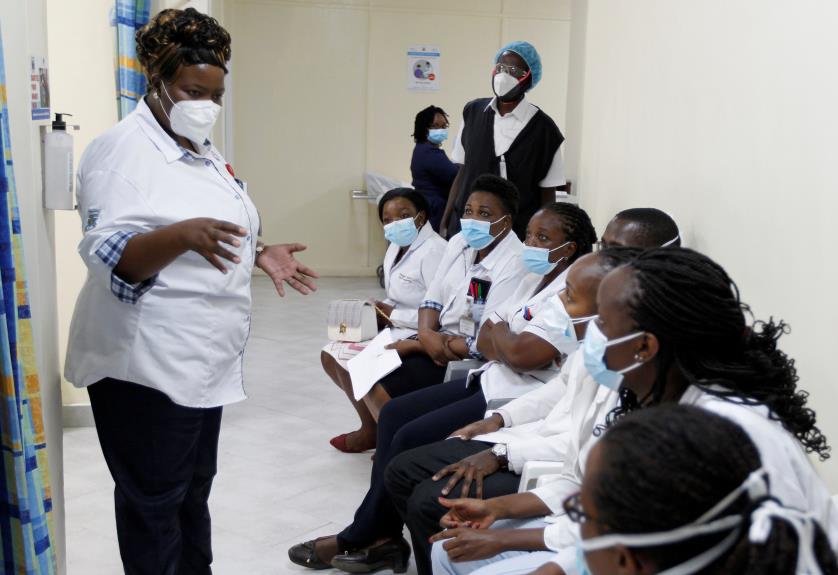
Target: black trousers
{"points": [[416, 372], [162, 457], [415, 419], [415, 494]]}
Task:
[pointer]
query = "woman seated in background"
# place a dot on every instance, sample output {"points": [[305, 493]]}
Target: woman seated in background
{"points": [[671, 329], [677, 489], [409, 266], [431, 170], [480, 270]]}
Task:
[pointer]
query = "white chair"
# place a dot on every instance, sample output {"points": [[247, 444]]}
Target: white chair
{"points": [[460, 369], [536, 472]]}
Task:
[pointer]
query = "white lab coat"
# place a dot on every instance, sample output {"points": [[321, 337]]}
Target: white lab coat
{"points": [[186, 335], [792, 477], [498, 380], [407, 280], [553, 422], [449, 289]]}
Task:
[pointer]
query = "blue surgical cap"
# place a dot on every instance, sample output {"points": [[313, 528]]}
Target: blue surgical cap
{"points": [[528, 52]]}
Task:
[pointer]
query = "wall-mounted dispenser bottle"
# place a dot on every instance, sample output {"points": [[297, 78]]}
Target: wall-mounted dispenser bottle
{"points": [[58, 166]]}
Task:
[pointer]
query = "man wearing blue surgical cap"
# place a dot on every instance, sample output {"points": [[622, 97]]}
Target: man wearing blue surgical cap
{"points": [[510, 137]]}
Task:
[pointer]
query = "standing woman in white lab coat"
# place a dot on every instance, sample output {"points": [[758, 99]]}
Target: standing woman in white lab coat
{"points": [[158, 334], [409, 266]]}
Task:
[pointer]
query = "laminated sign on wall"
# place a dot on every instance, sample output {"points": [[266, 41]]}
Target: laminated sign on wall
{"points": [[423, 68], [39, 79]]}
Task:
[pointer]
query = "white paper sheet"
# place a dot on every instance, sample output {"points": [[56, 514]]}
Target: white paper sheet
{"points": [[373, 363]]}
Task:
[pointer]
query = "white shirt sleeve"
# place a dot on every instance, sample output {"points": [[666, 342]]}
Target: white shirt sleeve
{"points": [[566, 559], [458, 152], [536, 448], [555, 175], [109, 204], [409, 317], [538, 403]]}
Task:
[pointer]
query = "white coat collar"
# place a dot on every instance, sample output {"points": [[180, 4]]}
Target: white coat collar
{"points": [[519, 112], [510, 242], [158, 136]]}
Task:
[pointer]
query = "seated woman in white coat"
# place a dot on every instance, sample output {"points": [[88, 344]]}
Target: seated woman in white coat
{"points": [[671, 329], [480, 270], [536, 429], [678, 489], [410, 264]]}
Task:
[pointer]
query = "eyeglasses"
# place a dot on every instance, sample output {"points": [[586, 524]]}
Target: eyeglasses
{"points": [[514, 71], [573, 508]]}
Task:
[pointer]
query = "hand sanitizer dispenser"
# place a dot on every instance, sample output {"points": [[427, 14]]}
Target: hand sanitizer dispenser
{"points": [[58, 166]]}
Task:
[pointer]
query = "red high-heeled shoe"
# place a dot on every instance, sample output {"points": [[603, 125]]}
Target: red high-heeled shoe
{"points": [[339, 443]]}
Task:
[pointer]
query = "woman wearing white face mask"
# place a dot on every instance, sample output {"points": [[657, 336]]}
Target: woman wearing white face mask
{"points": [[160, 325], [510, 137]]}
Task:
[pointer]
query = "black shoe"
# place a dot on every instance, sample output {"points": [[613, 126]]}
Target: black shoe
{"points": [[304, 554], [392, 554]]}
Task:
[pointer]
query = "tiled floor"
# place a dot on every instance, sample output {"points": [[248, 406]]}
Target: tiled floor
{"points": [[279, 481]]}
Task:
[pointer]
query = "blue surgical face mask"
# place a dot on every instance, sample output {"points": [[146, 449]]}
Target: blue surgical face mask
{"points": [[401, 232], [437, 135], [560, 327], [476, 232], [581, 564], [537, 260], [594, 348]]}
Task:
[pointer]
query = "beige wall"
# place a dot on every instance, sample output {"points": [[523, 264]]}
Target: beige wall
{"points": [[724, 114], [24, 34], [319, 97], [82, 53]]}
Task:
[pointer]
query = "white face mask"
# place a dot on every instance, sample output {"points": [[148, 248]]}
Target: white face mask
{"points": [[192, 119], [503, 83], [715, 521]]}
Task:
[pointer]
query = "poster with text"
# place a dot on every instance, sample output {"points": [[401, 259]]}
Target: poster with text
{"points": [[39, 86], [423, 68]]}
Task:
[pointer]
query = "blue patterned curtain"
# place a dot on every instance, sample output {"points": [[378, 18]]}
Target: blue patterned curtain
{"points": [[25, 496], [131, 15]]}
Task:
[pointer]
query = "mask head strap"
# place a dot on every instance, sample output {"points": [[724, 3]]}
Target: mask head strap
{"points": [[755, 486]]}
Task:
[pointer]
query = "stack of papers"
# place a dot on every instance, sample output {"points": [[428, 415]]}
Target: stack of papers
{"points": [[373, 363]]}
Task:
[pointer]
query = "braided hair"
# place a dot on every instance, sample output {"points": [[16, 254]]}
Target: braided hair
{"points": [[664, 467], [423, 122], [693, 307], [576, 226], [175, 38]]}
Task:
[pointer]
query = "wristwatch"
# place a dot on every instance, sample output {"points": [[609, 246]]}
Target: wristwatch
{"points": [[499, 451]]}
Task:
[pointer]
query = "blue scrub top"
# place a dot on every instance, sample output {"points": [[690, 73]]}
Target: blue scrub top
{"points": [[433, 173]]}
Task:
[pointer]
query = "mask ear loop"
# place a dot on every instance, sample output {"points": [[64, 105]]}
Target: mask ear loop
{"points": [[803, 524]]}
